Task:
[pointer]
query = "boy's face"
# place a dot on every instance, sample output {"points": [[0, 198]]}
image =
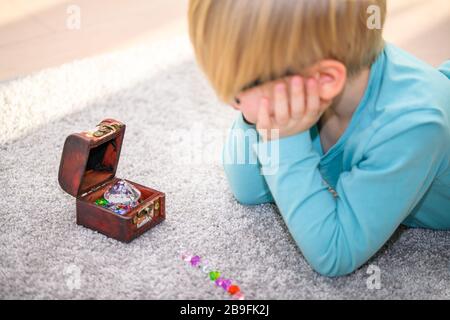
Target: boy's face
{"points": [[331, 77]]}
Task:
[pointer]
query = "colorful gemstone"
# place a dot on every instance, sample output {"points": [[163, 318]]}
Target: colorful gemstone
{"points": [[124, 193], [101, 202], [195, 261], [214, 275], [226, 283], [233, 289], [118, 208], [121, 211], [219, 281]]}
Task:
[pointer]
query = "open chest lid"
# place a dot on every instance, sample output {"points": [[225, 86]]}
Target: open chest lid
{"points": [[90, 158]]}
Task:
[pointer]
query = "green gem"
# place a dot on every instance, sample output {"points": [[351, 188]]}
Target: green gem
{"points": [[101, 202], [213, 275]]}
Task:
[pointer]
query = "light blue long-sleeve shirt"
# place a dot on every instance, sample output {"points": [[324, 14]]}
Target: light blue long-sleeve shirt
{"points": [[391, 166]]}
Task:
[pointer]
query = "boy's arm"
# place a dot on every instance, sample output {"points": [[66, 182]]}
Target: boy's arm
{"points": [[445, 68], [242, 167], [337, 235]]}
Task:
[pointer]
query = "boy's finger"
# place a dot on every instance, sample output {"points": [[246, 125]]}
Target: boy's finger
{"points": [[264, 123], [281, 104], [312, 98], [297, 97]]}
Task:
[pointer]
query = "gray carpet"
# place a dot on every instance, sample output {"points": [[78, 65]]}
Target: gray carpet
{"points": [[160, 94]]}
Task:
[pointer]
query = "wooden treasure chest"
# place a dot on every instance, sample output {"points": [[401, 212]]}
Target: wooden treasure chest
{"points": [[118, 208]]}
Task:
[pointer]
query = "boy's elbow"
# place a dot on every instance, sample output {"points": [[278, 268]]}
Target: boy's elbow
{"points": [[332, 272], [331, 264], [248, 199]]}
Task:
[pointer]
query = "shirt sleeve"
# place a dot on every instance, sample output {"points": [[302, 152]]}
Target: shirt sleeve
{"points": [[445, 68], [337, 235], [241, 165]]}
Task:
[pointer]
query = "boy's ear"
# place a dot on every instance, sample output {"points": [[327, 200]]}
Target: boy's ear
{"points": [[233, 103], [332, 76]]}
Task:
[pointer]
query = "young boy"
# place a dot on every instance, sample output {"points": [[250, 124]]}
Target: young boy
{"points": [[352, 135]]}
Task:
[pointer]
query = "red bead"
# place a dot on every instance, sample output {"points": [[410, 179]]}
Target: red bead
{"points": [[233, 289]]}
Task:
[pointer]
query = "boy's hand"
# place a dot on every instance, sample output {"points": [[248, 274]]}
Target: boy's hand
{"points": [[291, 115]]}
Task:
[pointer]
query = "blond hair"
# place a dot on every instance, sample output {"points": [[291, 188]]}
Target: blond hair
{"points": [[240, 43]]}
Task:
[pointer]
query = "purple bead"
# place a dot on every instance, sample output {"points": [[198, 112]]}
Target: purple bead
{"points": [[219, 281], [226, 283], [195, 261]]}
